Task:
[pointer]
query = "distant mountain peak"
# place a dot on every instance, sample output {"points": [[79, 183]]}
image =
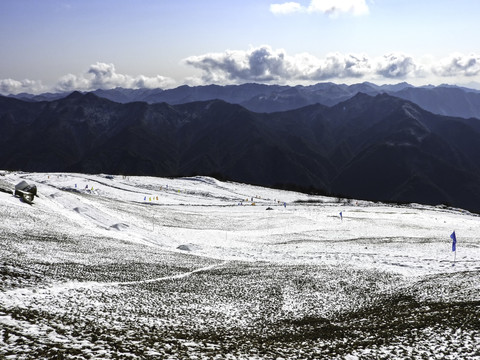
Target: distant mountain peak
{"points": [[89, 96], [75, 95], [449, 100]]}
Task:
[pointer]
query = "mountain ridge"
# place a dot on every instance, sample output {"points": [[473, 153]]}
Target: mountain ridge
{"points": [[444, 99], [373, 147]]}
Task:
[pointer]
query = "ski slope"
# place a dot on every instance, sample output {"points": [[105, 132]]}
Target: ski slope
{"points": [[204, 215], [90, 239]]}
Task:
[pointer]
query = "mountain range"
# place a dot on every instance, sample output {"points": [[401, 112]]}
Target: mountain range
{"points": [[443, 100], [377, 147]]}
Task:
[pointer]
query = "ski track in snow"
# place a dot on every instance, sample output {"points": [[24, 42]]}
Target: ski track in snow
{"points": [[14, 297]]}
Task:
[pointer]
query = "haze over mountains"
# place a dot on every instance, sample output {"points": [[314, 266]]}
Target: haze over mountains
{"points": [[442, 100], [376, 147]]}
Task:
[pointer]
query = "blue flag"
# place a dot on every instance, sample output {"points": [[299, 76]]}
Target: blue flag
{"points": [[454, 241]]}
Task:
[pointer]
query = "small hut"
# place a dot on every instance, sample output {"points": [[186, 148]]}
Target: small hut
{"points": [[25, 191]]}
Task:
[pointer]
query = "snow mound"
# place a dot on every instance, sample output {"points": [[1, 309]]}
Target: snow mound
{"points": [[119, 226], [188, 247]]}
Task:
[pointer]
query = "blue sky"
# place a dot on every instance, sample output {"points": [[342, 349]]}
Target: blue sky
{"points": [[63, 45]]}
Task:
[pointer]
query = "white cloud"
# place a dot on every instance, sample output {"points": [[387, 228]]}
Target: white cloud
{"points": [[261, 64], [333, 8], [286, 8], [396, 66], [71, 82], [341, 66], [11, 86], [104, 76], [264, 64], [458, 65]]}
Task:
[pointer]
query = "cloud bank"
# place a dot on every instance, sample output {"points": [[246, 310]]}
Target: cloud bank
{"points": [[267, 65], [397, 66], [264, 64], [98, 76], [332, 8], [459, 65], [11, 86], [104, 76]]}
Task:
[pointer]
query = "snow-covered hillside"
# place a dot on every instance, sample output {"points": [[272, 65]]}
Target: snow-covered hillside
{"points": [[139, 267]]}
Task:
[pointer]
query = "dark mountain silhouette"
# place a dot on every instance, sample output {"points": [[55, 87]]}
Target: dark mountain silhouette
{"points": [[40, 97], [372, 147], [235, 94]]}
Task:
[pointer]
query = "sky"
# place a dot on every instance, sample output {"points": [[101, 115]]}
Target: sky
{"points": [[66, 45]]}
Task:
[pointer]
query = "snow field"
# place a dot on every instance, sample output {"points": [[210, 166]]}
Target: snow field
{"points": [[104, 273]]}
